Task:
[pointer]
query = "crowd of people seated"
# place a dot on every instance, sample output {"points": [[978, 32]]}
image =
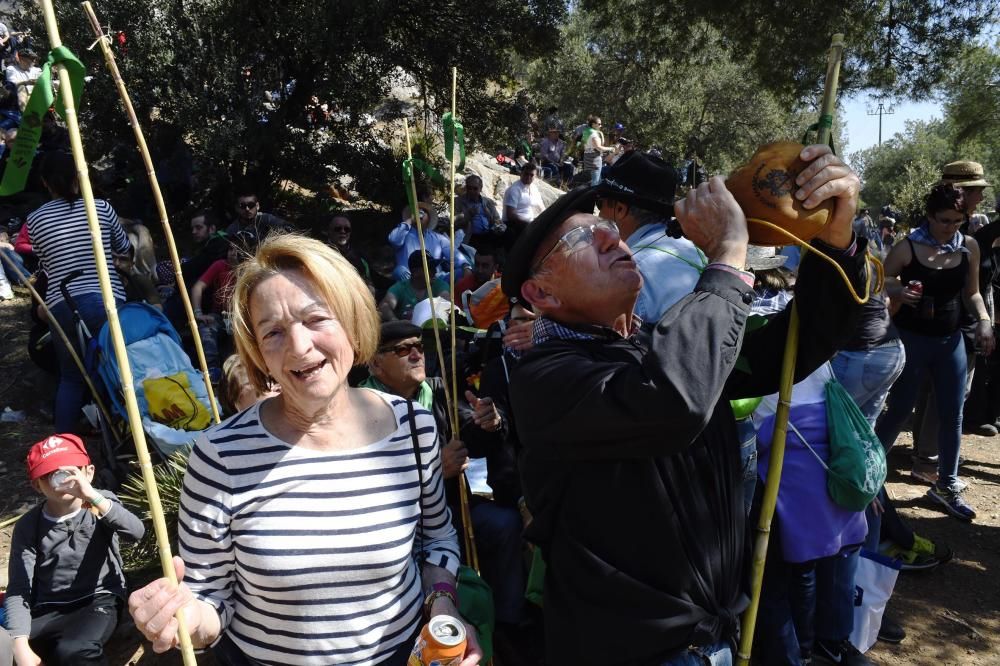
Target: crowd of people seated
{"points": [[609, 345]]}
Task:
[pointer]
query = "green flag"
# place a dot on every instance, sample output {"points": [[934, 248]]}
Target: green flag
{"points": [[23, 153], [453, 130]]}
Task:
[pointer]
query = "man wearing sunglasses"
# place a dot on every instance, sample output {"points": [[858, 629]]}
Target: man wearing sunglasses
{"points": [[398, 368], [631, 464], [249, 217]]}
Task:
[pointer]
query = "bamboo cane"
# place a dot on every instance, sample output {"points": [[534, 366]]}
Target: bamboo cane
{"points": [[109, 59], [54, 325], [463, 483], [770, 497], [132, 406], [449, 404]]}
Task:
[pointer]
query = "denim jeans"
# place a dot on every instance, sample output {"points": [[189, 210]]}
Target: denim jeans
{"points": [[925, 419], [720, 654], [13, 276], [944, 360], [214, 339], [71, 394], [498, 535], [748, 457], [868, 375]]}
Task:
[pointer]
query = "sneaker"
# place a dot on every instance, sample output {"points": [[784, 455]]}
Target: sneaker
{"points": [[928, 474], [842, 653], [924, 472], [953, 503], [891, 631], [910, 560], [927, 547]]}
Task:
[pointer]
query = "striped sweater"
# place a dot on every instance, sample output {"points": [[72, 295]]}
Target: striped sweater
{"points": [[309, 556], [61, 238]]}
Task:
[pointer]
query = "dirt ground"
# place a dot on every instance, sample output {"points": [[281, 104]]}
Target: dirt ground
{"points": [[951, 614]]}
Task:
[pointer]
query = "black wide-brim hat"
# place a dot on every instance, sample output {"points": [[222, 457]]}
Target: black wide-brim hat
{"points": [[645, 181], [521, 257]]}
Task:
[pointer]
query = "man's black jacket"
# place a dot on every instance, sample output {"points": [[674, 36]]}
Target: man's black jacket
{"points": [[631, 465]]}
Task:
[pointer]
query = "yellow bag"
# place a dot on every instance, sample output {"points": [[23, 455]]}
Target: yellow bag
{"points": [[173, 403]]}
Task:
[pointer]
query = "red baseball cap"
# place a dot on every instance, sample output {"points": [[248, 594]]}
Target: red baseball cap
{"points": [[54, 452]]}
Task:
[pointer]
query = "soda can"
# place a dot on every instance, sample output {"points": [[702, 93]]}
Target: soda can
{"points": [[915, 286], [441, 643]]}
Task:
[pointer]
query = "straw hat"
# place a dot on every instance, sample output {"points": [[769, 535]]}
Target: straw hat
{"points": [[964, 173]]}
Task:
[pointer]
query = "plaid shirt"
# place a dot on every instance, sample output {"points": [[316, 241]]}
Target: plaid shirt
{"points": [[545, 329]]}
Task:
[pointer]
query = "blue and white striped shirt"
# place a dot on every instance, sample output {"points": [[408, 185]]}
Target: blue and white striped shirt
{"points": [[309, 556], [60, 237]]}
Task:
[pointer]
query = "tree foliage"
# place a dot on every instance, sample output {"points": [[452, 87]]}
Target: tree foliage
{"points": [[903, 169], [899, 47], [236, 79], [704, 101]]}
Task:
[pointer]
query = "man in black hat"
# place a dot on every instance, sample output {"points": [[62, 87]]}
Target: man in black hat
{"points": [[637, 193], [631, 466]]}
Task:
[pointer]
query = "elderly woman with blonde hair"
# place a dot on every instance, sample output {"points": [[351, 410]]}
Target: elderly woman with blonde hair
{"points": [[307, 533]]}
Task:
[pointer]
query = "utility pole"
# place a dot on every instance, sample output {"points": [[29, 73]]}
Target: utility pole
{"points": [[881, 111]]}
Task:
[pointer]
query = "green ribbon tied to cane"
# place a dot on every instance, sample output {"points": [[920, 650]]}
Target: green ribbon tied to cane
{"points": [[410, 167], [453, 130], [30, 132]]}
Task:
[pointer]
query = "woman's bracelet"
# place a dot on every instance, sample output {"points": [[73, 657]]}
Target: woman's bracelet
{"points": [[97, 500], [434, 596]]}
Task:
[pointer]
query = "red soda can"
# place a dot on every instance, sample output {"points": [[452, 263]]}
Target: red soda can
{"points": [[441, 643], [916, 286]]}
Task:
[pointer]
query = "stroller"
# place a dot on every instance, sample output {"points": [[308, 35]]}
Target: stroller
{"points": [[171, 393]]}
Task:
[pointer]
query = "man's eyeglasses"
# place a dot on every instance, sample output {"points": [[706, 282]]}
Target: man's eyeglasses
{"points": [[247, 205], [576, 239], [404, 349], [341, 230]]}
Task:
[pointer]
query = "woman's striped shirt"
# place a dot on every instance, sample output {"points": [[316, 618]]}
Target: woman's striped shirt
{"points": [[309, 556], [61, 238]]}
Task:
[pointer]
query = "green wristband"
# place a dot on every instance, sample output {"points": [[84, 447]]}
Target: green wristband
{"points": [[98, 500]]}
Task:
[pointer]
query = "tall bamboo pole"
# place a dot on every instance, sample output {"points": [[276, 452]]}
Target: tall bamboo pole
{"points": [[132, 406], [161, 209], [463, 483], [777, 459], [54, 325]]}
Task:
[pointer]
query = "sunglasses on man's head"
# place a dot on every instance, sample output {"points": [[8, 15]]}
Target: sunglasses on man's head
{"points": [[247, 205], [404, 349]]}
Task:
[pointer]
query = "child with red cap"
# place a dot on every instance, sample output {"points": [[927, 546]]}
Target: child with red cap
{"points": [[66, 583]]}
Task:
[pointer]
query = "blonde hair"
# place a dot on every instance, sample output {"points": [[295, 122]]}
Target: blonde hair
{"points": [[345, 293]]}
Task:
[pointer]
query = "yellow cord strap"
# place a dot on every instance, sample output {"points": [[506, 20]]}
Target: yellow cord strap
{"points": [[869, 258]]}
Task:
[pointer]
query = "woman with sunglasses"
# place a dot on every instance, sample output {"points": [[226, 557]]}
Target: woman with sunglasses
{"points": [[930, 275], [307, 531]]}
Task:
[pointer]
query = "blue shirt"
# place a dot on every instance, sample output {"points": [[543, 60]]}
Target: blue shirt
{"points": [[406, 241], [670, 269]]}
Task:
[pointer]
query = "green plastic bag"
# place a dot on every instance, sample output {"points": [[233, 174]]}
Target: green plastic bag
{"points": [[856, 466], [475, 603]]}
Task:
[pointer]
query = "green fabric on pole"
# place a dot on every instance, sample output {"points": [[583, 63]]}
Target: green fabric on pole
{"points": [[475, 604], [453, 130], [410, 166], [42, 98], [410, 186]]}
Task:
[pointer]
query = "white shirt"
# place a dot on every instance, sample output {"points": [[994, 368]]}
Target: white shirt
{"points": [[526, 200], [670, 269], [17, 75]]}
